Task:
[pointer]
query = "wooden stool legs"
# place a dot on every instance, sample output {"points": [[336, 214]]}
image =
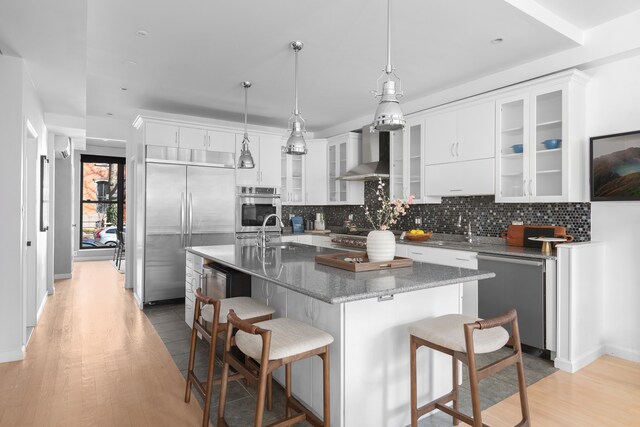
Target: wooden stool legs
{"points": [[475, 374], [295, 411]]}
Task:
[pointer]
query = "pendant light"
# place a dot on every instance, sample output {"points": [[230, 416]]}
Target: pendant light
{"points": [[388, 115], [296, 144], [246, 159]]}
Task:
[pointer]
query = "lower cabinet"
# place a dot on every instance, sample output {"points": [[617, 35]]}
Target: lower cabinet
{"points": [[306, 239], [452, 258], [306, 374], [193, 273]]}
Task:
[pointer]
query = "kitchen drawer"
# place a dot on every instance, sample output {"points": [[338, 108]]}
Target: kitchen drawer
{"points": [[188, 312], [194, 262]]}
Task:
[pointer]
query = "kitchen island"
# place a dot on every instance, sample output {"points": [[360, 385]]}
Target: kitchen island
{"points": [[367, 313]]}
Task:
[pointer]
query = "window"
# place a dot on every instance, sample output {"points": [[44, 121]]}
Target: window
{"points": [[103, 205]]}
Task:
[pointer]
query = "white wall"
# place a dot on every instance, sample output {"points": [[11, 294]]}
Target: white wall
{"points": [[18, 103], [11, 307], [613, 106], [63, 217], [32, 110]]}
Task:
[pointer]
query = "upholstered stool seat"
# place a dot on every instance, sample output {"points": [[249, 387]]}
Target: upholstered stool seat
{"points": [[462, 337], [214, 311], [244, 307], [275, 343], [448, 331], [288, 338]]}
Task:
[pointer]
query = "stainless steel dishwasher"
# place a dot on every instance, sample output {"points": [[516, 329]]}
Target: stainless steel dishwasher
{"points": [[519, 284]]}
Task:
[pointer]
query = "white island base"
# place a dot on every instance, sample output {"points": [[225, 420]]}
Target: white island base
{"points": [[370, 355]]}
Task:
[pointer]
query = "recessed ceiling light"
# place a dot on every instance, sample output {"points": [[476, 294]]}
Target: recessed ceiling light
{"points": [[124, 88], [497, 40], [130, 62], [109, 114], [142, 33]]}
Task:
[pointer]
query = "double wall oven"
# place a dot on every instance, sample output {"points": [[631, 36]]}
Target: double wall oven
{"points": [[253, 205]]}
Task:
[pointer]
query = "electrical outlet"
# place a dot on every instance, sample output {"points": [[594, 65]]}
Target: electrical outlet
{"points": [[418, 221], [517, 222]]}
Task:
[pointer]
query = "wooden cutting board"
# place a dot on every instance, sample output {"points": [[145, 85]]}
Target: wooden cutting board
{"points": [[317, 231], [515, 233], [338, 261]]}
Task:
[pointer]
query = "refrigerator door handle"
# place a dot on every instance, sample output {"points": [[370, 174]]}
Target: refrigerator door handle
{"points": [[182, 217], [190, 217]]}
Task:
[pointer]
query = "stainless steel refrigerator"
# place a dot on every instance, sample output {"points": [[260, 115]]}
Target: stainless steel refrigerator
{"points": [[185, 206]]}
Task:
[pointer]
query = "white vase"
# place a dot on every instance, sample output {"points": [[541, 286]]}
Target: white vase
{"points": [[381, 245]]}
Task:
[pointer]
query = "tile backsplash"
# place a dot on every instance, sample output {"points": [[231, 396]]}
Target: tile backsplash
{"points": [[487, 217]]}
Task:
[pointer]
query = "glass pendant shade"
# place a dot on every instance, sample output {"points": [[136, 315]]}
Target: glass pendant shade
{"points": [[388, 115], [296, 144], [245, 161]]}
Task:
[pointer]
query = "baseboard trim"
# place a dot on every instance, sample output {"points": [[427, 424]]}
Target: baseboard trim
{"points": [[93, 258], [623, 353], [578, 363], [12, 356], [62, 276], [41, 308]]}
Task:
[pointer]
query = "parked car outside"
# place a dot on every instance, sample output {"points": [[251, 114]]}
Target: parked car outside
{"points": [[107, 236], [88, 243]]}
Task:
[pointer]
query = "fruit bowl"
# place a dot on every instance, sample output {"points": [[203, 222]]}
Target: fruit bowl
{"points": [[418, 237]]}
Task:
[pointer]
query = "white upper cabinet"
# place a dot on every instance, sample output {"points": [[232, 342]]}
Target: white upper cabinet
{"points": [[193, 138], [162, 134], [343, 153], [188, 137], [220, 141], [460, 134], [265, 150], [528, 169], [459, 151]]}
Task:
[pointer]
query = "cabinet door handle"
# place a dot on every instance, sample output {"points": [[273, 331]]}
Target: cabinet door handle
{"points": [[176, 138], [455, 190], [457, 146], [206, 143], [452, 145], [258, 176], [463, 259], [524, 187], [530, 191], [261, 176]]}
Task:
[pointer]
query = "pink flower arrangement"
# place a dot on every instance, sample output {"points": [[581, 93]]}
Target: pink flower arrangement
{"points": [[390, 210]]}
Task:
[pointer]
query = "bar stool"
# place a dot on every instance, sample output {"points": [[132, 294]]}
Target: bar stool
{"points": [[214, 311], [454, 335], [275, 343]]}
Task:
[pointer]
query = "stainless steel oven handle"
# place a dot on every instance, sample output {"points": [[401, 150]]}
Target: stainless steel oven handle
{"points": [[510, 260]]}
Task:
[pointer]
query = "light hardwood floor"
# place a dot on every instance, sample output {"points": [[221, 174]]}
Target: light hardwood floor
{"points": [[94, 360], [605, 393]]}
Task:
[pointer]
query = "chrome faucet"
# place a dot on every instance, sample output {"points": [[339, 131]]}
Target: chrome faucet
{"points": [[262, 235], [468, 234]]}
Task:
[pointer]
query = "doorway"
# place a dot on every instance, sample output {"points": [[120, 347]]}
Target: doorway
{"points": [[30, 219]]}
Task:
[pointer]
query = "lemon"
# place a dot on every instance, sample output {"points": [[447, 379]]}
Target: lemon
{"points": [[413, 232], [419, 231]]}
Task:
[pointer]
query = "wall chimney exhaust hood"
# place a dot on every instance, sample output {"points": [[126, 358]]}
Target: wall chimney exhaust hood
{"points": [[375, 157]]}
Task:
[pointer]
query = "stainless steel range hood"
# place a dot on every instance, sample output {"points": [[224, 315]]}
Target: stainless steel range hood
{"points": [[375, 158]]}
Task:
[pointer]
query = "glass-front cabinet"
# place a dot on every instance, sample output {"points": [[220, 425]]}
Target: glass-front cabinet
{"points": [[343, 153], [292, 179], [539, 134], [407, 160]]}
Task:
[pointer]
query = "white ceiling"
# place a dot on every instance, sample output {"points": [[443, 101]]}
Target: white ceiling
{"points": [[587, 14], [198, 51]]}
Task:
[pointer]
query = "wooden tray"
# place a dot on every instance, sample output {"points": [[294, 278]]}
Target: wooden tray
{"points": [[337, 261]]}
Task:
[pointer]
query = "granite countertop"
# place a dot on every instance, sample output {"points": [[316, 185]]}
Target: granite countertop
{"points": [[294, 267], [483, 245]]}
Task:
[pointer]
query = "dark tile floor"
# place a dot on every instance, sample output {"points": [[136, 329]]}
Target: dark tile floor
{"points": [[168, 320]]}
